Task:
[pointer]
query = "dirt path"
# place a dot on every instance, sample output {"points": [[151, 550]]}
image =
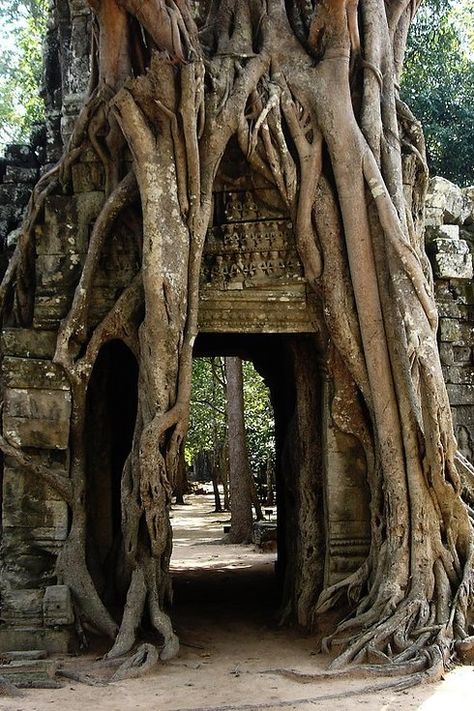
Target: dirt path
{"points": [[224, 614]]}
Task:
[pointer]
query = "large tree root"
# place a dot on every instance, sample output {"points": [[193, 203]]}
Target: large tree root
{"points": [[406, 682], [141, 590], [141, 662]]}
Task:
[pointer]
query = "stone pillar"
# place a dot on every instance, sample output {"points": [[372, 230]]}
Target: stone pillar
{"points": [[347, 499], [36, 414]]}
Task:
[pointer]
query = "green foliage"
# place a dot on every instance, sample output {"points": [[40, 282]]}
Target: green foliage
{"points": [[23, 29], [438, 85], [207, 424]]}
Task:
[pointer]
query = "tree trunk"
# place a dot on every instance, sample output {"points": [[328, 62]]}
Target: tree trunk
{"points": [[311, 97], [270, 481], [181, 482], [241, 521]]}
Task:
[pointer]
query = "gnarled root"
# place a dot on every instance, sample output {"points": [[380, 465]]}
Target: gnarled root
{"points": [[141, 662], [143, 585], [71, 568]]}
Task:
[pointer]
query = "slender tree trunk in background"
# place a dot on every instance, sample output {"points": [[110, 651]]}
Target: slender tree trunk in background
{"points": [[181, 482], [215, 489], [224, 472], [255, 500], [270, 482], [239, 477]]}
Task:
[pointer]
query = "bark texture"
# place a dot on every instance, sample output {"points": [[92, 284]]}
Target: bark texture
{"points": [[310, 93], [241, 520]]}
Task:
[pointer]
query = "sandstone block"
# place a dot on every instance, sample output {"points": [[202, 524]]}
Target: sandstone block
{"points": [[20, 154], [459, 375], [33, 373], [460, 394], [58, 273], [22, 606], [87, 177], [57, 606], [457, 332], [28, 343], [449, 232], [50, 309], [446, 353], [448, 265], [449, 198], [16, 174]]}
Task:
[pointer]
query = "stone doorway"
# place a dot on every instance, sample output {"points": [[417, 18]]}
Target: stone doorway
{"points": [[110, 420], [289, 364]]}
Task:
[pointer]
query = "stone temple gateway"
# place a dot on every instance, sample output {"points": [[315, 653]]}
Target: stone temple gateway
{"points": [[254, 302]]}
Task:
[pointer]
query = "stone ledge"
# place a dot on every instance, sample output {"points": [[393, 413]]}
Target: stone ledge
{"points": [[33, 373]]}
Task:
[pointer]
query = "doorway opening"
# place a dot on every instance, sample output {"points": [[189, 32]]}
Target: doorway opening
{"points": [[240, 584], [111, 410]]}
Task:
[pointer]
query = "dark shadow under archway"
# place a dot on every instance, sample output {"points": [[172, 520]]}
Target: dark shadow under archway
{"points": [[110, 421], [289, 365]]}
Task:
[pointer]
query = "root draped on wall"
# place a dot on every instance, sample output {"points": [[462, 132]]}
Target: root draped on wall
{"points": [[311, 97]]}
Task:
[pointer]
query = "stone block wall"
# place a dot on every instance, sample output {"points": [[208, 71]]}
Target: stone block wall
{"points": [[19, 171], [450, 246], [35, 519]]}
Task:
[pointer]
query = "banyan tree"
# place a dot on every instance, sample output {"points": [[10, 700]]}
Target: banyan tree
{"points": [[306, 94]]}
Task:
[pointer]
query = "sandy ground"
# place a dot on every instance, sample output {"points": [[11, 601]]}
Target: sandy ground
{"points": [[231, 646]]}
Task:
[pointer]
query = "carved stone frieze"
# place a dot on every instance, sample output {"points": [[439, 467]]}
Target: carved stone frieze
{"points": [[252, 244]]}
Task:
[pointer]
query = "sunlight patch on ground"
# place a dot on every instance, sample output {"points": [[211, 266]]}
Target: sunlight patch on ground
{"points": [[198, 534], [456, 692]]}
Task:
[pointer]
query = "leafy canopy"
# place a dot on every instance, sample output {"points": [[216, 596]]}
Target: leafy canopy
{"points": [[438, 85], [23, 26], [207, 423]]}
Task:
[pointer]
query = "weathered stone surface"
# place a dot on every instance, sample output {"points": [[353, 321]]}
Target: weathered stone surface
{"points": [[23, 485], [453, 266], [462, 354], [43, 433], [16, 174], [38, 404], [31, 674], [460, 394], [275, 310], [58, 273], [87, 177], [459, 375], [57, 606], [48, 518], [453, 331], [20, 154], [28, 343], [446, 353], [449, 232], [454, 310], [33, 373], [50, 309], [67, 223], [22, 637], [446, 202], [23, 565], [22, 607]]}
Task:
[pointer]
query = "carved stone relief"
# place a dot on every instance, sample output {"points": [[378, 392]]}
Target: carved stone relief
{"points": [[252, 246]]}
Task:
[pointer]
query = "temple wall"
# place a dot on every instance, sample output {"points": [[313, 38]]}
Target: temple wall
{"points": [[37, 399]]}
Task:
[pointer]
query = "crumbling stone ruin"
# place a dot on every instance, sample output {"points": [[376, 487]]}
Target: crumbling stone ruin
{"points": [[254, 300]]}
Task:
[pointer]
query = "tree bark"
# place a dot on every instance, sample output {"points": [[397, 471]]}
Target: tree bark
{"points": [[241, 520]]}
